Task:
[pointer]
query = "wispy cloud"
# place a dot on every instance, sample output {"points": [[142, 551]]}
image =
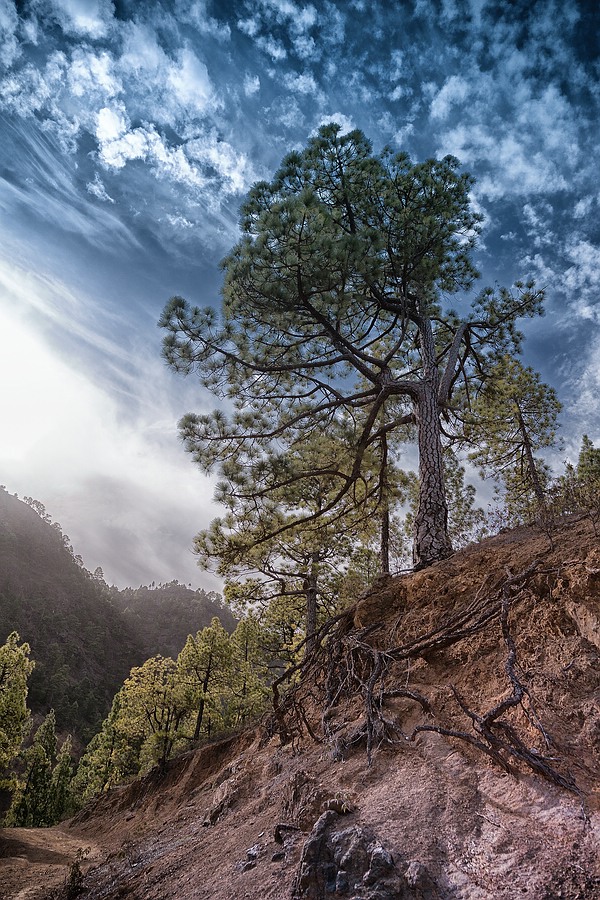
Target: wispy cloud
{"points": [[41, 178], [136, 98], [78, 443]]}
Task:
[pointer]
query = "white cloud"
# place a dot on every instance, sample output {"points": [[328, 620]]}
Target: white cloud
{"points": [[115, 152], [194, 12], [141, 54], [192, 164], [450, 11], [9, 45], [83, 18], [303, 83], [249, 26], [110, 470], [583, 207], [179, 222], [231, 165], [454, 92], [584, 376], [307, 48], [516, 163], [273, 48], [582, 279], [402, 134], [251, 85], [537, 219], [92, 74], [141, 100], [188, 81], [30, 89], [112, 124], [301, 18], [97, 189]]}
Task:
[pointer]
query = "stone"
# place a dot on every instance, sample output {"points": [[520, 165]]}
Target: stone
{"points": [[352, 862]]}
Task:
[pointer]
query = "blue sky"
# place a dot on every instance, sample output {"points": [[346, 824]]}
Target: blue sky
{"points": [[130, 134]]}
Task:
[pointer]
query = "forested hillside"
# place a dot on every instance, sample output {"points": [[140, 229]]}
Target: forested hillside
{"points": [[83, 647], [162, 616], [84, 637]]}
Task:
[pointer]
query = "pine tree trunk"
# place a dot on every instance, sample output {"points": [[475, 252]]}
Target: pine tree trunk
{"points": [[431, 540], [538, 491], [201, 704], [384, 550], [311, 591], [385, 539]]}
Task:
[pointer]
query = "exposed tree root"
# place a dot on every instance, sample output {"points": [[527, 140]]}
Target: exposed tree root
{"points": [[345, 664], [501, 739]]}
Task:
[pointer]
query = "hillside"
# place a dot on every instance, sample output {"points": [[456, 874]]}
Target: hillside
{"points": [[83, 648], [84, 637], [500, 640], [163, 616]]}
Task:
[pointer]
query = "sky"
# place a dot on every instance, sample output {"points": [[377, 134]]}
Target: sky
{"points": [[129, 134]]}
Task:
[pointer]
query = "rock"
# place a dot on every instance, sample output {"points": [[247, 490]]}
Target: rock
{"points": [[352, 862], [420, 881], [282, 831], [381, 865]]}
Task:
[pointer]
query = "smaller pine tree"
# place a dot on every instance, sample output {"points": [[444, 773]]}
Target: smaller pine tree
{"points": [[33, 805]]}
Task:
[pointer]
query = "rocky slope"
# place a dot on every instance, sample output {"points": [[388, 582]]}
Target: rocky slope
{"points": [[475, 686]]}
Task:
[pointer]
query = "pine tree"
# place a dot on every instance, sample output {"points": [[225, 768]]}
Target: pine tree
{"points": [[511, 420], [204, 669], [112, 756], [153, 707], [62, 802], [15, 668], [33, 802], [248, 690], [588, 463], [585, 485], [335, 316]]}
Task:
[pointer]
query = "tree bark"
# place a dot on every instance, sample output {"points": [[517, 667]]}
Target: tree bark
{"points": [[385, 538], [311, 590], [384, 550], [202, 702], [431, 540]]}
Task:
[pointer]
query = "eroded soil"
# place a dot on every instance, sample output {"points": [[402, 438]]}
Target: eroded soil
{"points": [[230, 819]]}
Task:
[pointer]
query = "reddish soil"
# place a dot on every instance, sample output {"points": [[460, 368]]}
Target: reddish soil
{"points": [[208, 827]]}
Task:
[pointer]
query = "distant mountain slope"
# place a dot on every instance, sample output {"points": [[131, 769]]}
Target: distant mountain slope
{"points": [[84, 637], [82, 646], [163, 616]]}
